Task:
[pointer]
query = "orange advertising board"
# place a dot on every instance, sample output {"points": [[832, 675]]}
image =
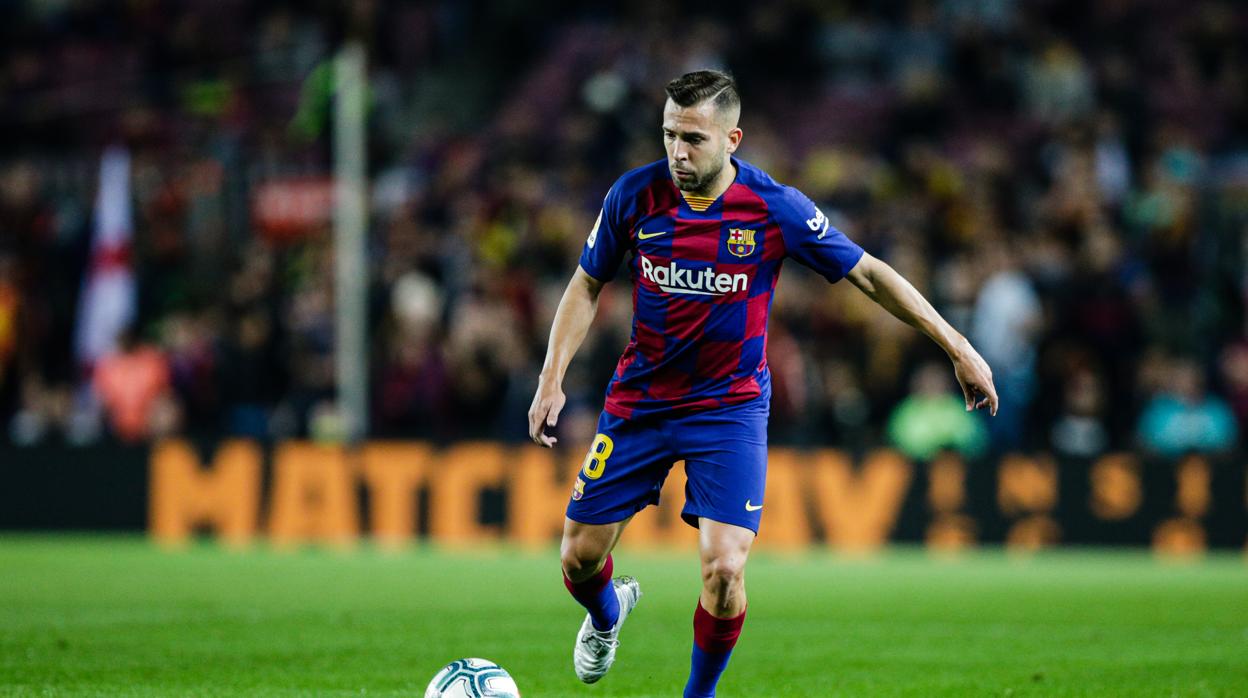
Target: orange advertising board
{"points": [[396, 492]]}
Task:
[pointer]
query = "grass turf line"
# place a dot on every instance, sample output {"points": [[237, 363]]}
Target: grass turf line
{"points": [[98, 615]]}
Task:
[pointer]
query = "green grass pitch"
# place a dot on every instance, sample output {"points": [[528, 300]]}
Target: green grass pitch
{"points": [[117, 616]]}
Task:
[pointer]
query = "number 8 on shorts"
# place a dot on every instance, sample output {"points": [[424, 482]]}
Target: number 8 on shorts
{"points": [[596, 460]]}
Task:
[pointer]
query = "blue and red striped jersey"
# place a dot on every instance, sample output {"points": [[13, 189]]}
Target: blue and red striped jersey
{"points": [[704, 274]]}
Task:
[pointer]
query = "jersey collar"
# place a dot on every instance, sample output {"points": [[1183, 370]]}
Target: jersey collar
{"points": [[700, 204]]}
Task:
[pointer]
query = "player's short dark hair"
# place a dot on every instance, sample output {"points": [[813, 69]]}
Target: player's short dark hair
{"points": [[700, 85]]}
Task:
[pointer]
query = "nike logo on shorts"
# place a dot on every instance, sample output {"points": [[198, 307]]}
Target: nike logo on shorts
{"points": [[752, 508]]}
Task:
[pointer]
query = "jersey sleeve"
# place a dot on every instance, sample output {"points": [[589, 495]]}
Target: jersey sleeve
{"points": [[607, 241], [810, 238]]}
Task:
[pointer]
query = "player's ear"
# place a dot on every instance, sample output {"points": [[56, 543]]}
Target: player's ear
{"points": [[734, 139]]}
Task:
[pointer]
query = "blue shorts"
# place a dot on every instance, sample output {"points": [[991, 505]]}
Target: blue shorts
{"points": [[725, 455]]}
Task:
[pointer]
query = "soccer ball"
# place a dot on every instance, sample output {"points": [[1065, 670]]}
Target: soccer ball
{"points": [[472, 678]]}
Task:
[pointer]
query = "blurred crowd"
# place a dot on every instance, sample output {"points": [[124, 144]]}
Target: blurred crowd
{"points": [[1066, 181]]}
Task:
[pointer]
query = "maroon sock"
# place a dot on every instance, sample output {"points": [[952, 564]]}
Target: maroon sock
{"points": [[597, 595], [716, 634], [713, 640]]}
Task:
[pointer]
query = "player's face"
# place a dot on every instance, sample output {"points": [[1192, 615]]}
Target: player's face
{"points": [[698, 143]]}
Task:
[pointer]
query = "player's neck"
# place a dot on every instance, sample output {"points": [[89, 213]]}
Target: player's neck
{"points": [[726, 177]]}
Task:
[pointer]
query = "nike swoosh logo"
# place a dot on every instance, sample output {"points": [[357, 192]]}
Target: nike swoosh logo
{"points": [[750, 508], [641, 234]]}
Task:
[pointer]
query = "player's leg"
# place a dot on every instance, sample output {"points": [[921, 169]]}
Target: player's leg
{"points": [[623, 472], [585, 555], [587, 568], [725, 453], [720, 613], [723, 549]]}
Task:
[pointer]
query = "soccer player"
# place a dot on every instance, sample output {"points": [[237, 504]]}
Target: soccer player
{"points": [[707, 233]]}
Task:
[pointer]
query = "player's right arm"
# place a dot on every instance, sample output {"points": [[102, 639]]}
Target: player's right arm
{"points": [[600, 258], [572, 320]]}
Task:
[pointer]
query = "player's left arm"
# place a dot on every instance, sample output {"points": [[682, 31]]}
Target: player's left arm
{"points": [[888, 288]]}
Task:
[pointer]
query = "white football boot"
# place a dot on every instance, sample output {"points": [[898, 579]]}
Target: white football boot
{"points": [[595, 649]]}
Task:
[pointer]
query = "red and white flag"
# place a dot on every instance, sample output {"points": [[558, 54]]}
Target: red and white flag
{"points": [[107, 304]]}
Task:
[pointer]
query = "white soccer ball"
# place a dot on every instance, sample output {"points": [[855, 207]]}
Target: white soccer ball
{"points": [[472, 678]]}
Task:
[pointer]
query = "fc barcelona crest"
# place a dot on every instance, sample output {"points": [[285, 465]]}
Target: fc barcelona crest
{"points": [[741, 242]]}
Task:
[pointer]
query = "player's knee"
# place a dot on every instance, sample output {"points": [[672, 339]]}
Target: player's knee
{"points": [[724, 573], [579, 560]]}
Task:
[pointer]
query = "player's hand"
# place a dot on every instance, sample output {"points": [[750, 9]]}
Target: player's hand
{"points": [[976, 380], [547, 404]]}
